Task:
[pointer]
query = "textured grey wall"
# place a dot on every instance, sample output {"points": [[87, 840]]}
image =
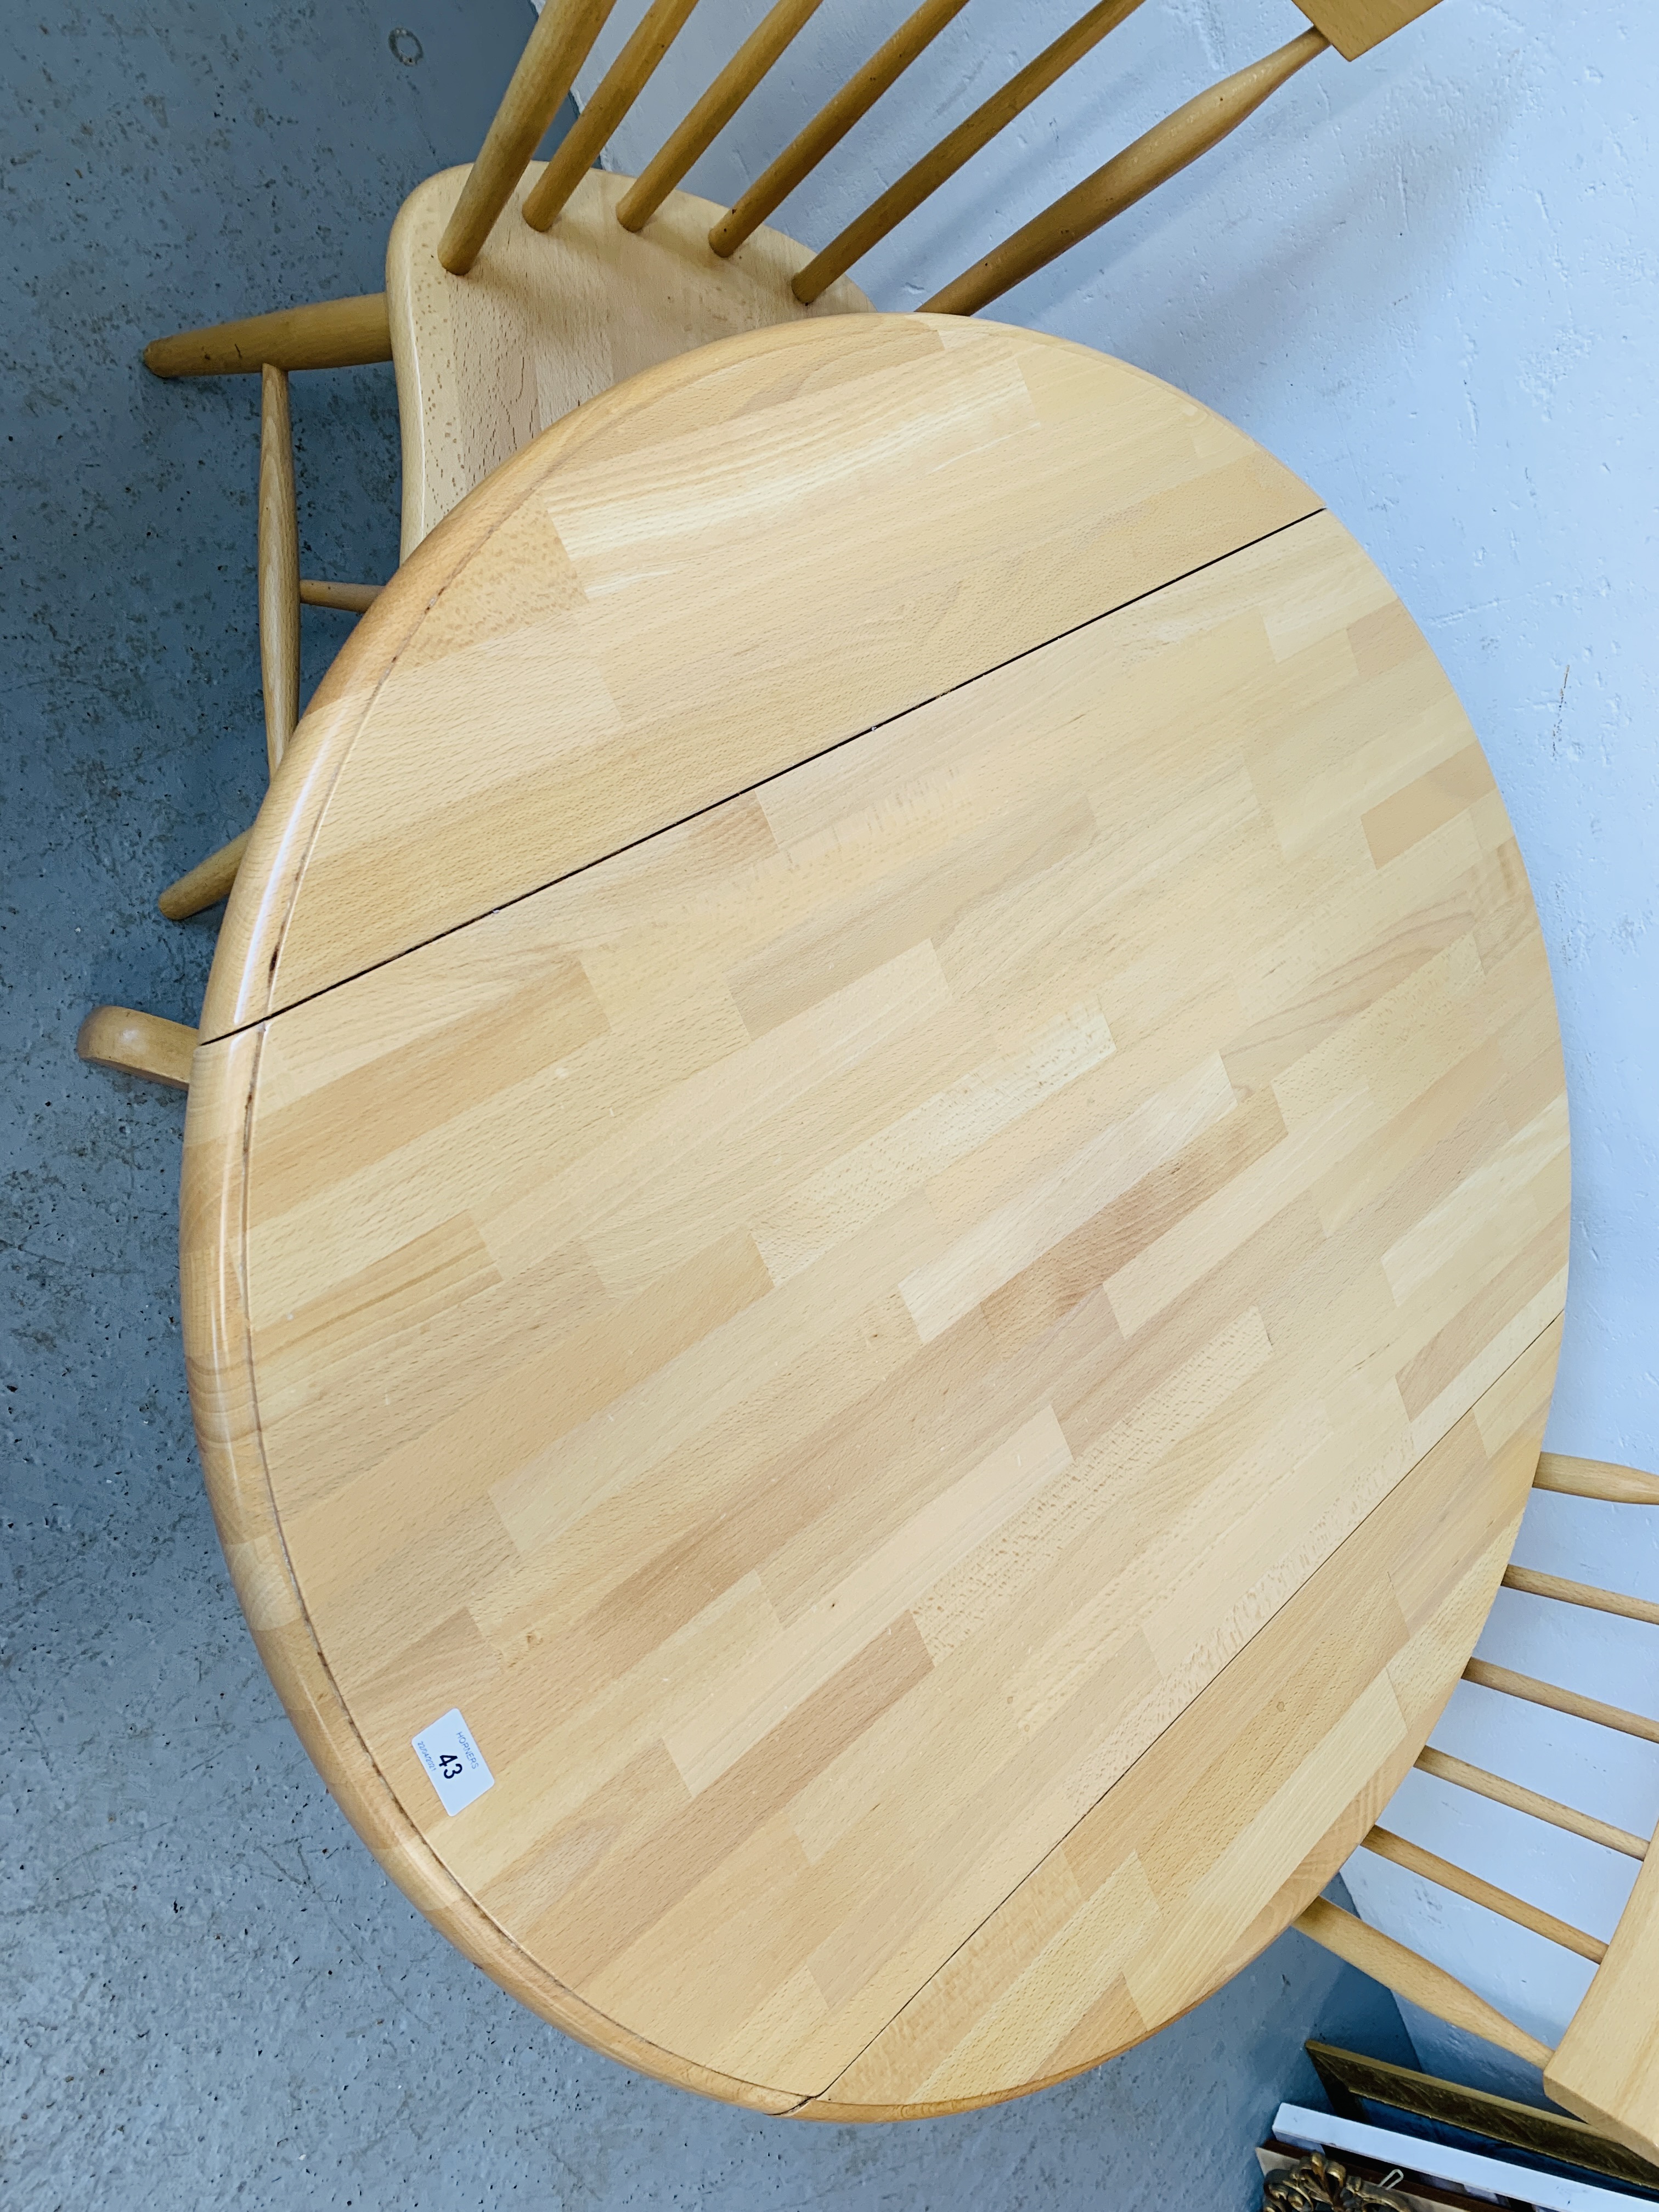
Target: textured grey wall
{"points": [[208, 1995]]}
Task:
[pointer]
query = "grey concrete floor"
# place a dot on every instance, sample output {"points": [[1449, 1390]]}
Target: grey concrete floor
{"points": [[209, 1993]]}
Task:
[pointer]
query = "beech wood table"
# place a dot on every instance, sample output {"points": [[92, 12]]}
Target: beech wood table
{"points": [[875, 1213]]}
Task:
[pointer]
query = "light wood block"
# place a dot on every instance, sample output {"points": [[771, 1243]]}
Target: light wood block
{"points": [[138, 1045], [902, 1211], [544, 322], [1354, 27]]}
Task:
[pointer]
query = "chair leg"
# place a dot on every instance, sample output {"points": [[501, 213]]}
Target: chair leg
{"points": [[137, 1044], [206, 884], [278, 567]]}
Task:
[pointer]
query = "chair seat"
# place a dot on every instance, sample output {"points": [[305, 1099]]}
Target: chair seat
{"points": [[546, 320]]}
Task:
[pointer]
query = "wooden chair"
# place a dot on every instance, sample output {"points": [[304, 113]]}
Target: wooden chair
{"points": [[496, 329], [1606, 2067]]}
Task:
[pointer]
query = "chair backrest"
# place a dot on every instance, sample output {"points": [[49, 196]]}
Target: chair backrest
{"points": [[1606, 2067], [565, 35], [627, 272]]}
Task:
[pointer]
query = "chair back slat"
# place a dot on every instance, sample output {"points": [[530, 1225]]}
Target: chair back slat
{"points": [[833, 121], [624, 82], [1588, 1595], [925, 177], [1488, 1677], [1417, 1979], [1606, 2067], [1596, 1478], [1445, 1767], [547, 69], [1159, 154], [751, 63], [1383, 1843]]}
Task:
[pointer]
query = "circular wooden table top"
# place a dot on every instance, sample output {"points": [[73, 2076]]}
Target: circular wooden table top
{"points": [[875, 1213]]}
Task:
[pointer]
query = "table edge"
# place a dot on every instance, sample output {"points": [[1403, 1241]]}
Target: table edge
{"points": [[219, 1363], [218, 1357]]}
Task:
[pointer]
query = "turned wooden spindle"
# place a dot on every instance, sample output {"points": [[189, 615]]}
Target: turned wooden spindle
{"points": [[926, 176], [711, 114], [206, 884], [1168, 148], [832, 122], [1486, 1676], [1429, 1866], [1445, 1767], [349, 598], [547, 69], [279, 566], [330, 334], [624, 82], [1417, 1979], [1596, 1478]]}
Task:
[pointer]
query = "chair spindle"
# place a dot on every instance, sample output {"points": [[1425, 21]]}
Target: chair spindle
{"points": [[547, 69], [1160, 154], [711, 114], [1593, 1600], [206, 884], [1596, 1478], [279, 566], [1415, 1978], [926, 176], [1383, 1843], [622, 84], [349, 599], [137, 1044], [832, 122], [1502, 1791], [1488, 1677], [331, 334]]}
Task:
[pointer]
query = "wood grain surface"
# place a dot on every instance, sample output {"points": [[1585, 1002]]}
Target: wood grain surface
{"points": [[940, 1339], [972, 492], [544, 321]]}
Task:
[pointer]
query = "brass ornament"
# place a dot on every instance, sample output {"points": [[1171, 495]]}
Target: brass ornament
{"points": [[1322, 2184]]}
